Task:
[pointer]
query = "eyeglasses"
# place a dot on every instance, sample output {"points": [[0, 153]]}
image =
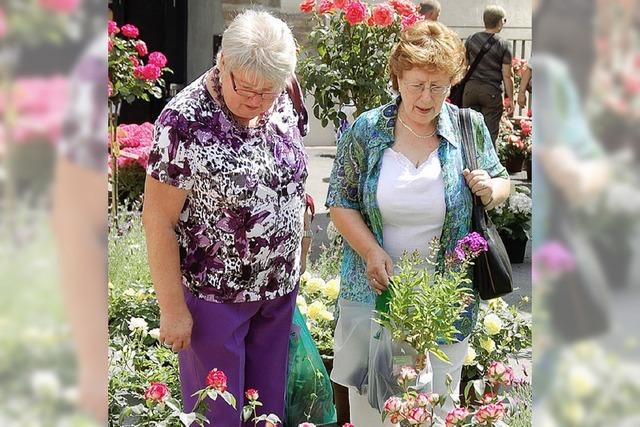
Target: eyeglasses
{"points": [[418, 88], [265, 96]]}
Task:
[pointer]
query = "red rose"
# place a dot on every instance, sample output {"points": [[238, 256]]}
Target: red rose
{"points": [[147, 72], [307, 6], [158, 59], [112, 28], [130, 31], [141, 47], [252, 394], [326, 6], [356, 12], [403, 7], [383, 14], [217, 380], [340, 4], [158, 392]]}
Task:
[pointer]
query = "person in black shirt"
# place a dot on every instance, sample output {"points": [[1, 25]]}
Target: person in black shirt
{"points": [[483, 91]]}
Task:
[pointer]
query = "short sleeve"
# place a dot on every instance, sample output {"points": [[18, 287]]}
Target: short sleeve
{"points": [[344, 183], [486, 153], [170, 159], [508, 55]]}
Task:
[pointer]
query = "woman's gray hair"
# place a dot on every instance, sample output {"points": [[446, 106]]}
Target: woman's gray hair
{"points": [[261, 44]]}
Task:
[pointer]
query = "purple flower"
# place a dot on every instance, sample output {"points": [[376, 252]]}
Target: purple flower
{"points": [[470, 246], [552, 258]]}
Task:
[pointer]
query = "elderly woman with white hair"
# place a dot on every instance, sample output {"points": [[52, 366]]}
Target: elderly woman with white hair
{"points": [[222, 213]]}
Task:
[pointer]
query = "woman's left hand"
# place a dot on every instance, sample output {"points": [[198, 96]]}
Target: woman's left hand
{"points": [[480, 183]]}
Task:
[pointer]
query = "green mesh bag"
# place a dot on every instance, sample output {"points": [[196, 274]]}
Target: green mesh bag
{"points": [[309, 391]]}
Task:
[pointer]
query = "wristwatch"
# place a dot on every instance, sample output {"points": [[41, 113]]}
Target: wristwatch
{"points": [[307, 234]]}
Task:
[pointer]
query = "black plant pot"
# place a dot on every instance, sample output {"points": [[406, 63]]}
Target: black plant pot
{"points": [[515, 248]]}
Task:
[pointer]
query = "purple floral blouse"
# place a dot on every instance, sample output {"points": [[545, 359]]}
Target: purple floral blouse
{"points": [[240, 228]]}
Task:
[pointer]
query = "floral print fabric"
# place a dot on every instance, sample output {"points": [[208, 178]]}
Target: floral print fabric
{"points": [[240, 228], [354, 180]]}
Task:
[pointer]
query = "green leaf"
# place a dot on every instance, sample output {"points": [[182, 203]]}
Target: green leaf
{"points": [[247, 412], [187, 419], [229, 398]]}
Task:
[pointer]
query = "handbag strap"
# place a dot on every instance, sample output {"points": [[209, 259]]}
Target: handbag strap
{"points": [[295, 93], [485, 48], [468, 145]]}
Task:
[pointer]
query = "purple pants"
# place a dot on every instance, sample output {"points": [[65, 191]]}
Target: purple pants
{"points": [[249, 342]]}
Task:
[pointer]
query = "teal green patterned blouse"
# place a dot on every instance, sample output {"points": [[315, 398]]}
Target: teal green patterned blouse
{"points": [[354, 181]]}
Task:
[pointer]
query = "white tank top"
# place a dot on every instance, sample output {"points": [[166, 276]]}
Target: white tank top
{"points": [[411, 202]]}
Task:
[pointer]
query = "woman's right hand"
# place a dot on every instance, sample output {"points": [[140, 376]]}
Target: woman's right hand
{"points": [[379, 269], [175, 328]]}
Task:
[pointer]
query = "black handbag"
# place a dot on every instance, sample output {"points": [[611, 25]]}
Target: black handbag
{"points": [[457, 90], [492, 274]]}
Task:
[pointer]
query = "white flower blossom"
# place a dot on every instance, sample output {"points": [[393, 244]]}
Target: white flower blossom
{"points": [[520, 203], [45, 384], [155, 333], [138, 324]]}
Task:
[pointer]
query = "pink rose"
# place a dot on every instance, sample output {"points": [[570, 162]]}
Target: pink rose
{"points": [[158, 392], [419, 416], [252, 394], [326, 6], [141, 47], [403, 7], [307, 6], [489, 414], [382, 14], [217, 380], [497, 372], [110, 45], [356, 12], [130, 31], [513, 139], [423, 400], [456, 417], [62, 6], [393, 405], [112, 28], [395, 418], [340, 4], [158, 59], [134, 60], [407, 373], [409, 20]]}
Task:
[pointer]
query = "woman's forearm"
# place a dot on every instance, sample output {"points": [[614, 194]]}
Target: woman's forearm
{"points": [[352, 227], [164, 262]]}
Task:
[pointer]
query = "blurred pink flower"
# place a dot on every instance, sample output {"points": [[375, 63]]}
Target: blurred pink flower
{"points": [[62, 6], [158, 392], [409, 20], [147, 72], [112, 28], [141, 47], [456, 417], [383, 14], [109, 45], [158, 59], [135, 143], [552, 259], [356, 12], [307, 425], [404, 7], [307, 6], [340, 4], [326, 6], [130, 31]]}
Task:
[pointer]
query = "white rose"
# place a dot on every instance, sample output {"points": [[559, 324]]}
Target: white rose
{"points": [[305, 277], [45, 384], [315, 308], [492, 324], [155, 333], [470, 358], [137, 324], [488, 344], [332, 289], [314, 285]]}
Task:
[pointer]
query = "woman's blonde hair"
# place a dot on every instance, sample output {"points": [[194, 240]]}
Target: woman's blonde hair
{"points": [[429, 45]]}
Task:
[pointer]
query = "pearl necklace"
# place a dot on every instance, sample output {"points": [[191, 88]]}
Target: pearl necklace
{"points": [[414, 133]]}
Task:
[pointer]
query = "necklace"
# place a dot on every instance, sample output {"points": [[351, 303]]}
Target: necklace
{"points": [[414, 133]]}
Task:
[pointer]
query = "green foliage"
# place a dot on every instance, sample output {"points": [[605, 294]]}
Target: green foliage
{"points": [[520, 412], [424, 305], [346, 65]]}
